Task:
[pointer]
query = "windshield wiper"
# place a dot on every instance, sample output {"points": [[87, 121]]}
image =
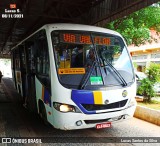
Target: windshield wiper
{"points": [[87, 75], [124, 83], [97, 61]]}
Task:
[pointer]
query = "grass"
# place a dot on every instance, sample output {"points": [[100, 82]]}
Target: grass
{"points": [[155, 104]]}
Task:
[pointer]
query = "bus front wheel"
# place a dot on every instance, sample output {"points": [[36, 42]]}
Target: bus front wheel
{"points": [[42, 113]]}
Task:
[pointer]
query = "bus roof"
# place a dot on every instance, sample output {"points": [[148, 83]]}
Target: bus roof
{"points": [[69, 26]]}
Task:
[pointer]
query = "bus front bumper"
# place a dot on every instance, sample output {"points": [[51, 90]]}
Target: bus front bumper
{"points": [[70, 121]]}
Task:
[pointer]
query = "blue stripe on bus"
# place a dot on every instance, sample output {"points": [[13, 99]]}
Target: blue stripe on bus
{"points": [[83, 97], [47, 97]]}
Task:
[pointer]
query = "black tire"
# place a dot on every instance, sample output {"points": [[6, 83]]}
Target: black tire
{"points": [[43, 114]]}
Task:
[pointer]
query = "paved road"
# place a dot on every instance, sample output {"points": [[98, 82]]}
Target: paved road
{"points": [[16, 121]]}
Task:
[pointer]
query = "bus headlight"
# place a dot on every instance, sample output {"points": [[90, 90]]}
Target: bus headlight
{"points": [[65, 107]]}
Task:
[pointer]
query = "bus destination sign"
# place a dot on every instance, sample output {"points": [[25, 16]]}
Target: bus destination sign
{"points": [[85, 39]]}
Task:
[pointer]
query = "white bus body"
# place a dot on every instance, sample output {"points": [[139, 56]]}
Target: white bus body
{"points": [[72, 97]]}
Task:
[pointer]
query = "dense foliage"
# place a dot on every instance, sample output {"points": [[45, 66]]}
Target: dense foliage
{"points": [[147, 84], [153, 72], [135, 28]]}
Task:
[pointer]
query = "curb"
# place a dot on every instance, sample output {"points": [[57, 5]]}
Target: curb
{"points": [[147, 114]]}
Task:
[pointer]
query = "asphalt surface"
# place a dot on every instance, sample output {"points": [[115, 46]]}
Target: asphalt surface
{"points": [[16, 121]]}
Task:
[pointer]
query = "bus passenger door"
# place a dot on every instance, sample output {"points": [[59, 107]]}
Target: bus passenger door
{"points": [[30, 93], [43, 81]]}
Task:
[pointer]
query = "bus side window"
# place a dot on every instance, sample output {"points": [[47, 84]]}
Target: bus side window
{"points": [[42, 60], [30, 56], [23, 59]]}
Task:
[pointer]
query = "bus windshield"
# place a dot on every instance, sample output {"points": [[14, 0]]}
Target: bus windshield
{"points": [[87, 60]]}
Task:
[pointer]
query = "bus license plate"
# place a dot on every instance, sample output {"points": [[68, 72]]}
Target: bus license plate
{"points": [[103, 125]]}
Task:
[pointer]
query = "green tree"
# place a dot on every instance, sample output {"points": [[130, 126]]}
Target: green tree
{"points": [[153, 72], [135, 28], [147, 84]]}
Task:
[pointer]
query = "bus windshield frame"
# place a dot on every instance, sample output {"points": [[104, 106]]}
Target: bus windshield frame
{"points": [[111, 66]]}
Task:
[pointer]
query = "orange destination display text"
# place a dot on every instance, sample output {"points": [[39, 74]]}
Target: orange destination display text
{"points": [[85, 39]]}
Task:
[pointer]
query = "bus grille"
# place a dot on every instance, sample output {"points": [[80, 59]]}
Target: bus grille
{"points": [[93, 107]]}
